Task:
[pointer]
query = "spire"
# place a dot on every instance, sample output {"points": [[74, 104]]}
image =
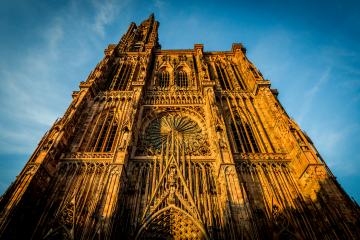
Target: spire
{"points": [[138, 38]]}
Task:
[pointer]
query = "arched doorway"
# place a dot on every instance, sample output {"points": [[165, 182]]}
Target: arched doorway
{"points": [[171, 223]]}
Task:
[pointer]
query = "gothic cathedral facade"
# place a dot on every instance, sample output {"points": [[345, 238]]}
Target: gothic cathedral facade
{"points": [[176, 144]]}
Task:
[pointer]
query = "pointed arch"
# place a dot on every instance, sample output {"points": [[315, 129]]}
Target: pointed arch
{"points": [[224, 81], [241, 135], [122, 77], [103, 133], [238, 76], [181, 79], [164, 79], [182, 76], [171, 221]]}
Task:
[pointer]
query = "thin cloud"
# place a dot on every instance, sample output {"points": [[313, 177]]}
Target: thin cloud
{"points": [[105, 13], [54, 35], [275, 61], [26, 89], [310, 94], [10, 139], [333, 143], [323, 79], [159, 4], [38, 83], [37, 87]]}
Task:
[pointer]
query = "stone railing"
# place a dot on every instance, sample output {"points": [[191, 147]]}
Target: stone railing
{"points": [[173, 97], [87, 156], [262, 157]]}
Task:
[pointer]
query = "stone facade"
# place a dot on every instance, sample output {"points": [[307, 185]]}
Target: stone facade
{"points": [[176, 144]]}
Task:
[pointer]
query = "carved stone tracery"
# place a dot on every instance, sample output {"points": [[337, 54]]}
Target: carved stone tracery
{"points": [[172, 223], [208, 153], [187, 134]]}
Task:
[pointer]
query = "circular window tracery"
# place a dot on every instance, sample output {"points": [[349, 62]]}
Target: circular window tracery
{"points": [[174, 132]]}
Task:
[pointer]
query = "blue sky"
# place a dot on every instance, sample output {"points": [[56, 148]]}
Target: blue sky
{"points": [[309, 51]]}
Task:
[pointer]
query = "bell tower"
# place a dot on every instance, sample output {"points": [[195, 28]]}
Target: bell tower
{"points": [[137, 38], [175, 144]]}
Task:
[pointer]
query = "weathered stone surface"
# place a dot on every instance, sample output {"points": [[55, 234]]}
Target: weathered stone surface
{"points": [[176, 144]]}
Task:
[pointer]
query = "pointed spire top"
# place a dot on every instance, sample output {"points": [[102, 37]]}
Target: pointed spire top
{"points": [[138, 37], [148, 21]]}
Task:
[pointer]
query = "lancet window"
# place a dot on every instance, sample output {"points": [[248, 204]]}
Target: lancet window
{"points": [[164, 79], [238, 77], [252, 69], [223, 78], [243, 137], [112, 73], [102, 135], [212, 72], [182, 79], [122, 77]]}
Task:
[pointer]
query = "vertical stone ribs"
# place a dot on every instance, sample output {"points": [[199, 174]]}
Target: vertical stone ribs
{"points": [[186, 187], [176, 144], [171, 182], [137, 38], [75, 201]]}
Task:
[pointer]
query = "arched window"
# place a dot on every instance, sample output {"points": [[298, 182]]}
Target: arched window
{"points": [[164, 79], [121, 80], [223, 79], [181, 79], [238, 76], [243, 137], [101, 137]]}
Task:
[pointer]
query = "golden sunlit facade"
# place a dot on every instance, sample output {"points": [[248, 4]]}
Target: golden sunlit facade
{"points": [[176, 144]]}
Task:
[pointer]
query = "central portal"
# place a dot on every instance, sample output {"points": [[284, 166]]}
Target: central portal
{"points": [[171, 223], [171, 192]]}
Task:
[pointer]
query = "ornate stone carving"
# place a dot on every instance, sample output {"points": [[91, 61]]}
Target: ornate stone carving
{"points": [[171, 224], [168, 128], [173, 98], [31, 169], [204, 152]]}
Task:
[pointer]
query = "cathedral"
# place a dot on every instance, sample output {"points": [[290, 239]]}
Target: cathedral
{"points": [[176, 144]]}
